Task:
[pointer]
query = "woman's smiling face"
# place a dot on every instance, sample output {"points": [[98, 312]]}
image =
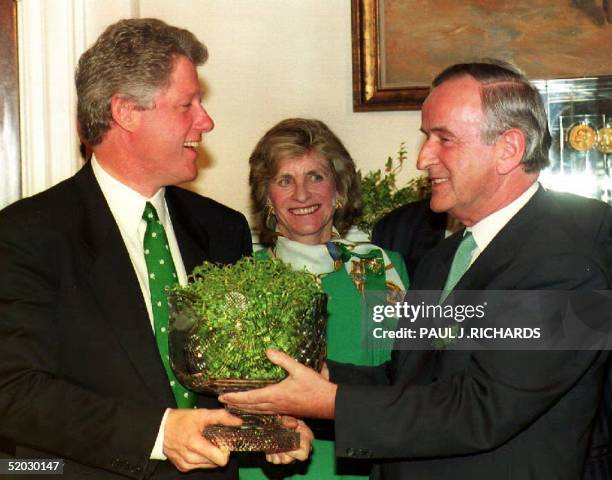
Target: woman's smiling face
{"points": [[303, 194]]}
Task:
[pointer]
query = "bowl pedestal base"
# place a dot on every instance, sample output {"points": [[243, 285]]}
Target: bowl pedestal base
{"points": [[258, 433]]}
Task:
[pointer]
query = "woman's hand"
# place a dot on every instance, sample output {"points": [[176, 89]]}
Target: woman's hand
{"points": [[303, 452]]}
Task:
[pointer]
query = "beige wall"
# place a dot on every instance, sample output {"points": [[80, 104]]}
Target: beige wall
{"points": [[269, 60], [272, 59]]}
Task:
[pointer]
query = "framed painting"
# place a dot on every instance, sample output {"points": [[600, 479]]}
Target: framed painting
{"points": [[400, 45]]}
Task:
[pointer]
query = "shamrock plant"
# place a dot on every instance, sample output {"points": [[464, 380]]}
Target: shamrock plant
{"points": [[238, 311], [380, 193]]}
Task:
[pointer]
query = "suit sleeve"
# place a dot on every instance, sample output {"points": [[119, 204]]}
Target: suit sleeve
{"points": [[39, 409], [345, 373], [497, 395], [380, 233], [247, 242]]}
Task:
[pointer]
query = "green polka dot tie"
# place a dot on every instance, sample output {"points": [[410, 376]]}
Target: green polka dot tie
{"points": [[162, 274], [460, 265]]}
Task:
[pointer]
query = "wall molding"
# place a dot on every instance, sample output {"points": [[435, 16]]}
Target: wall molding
{"points": [[10, 155], [51, 38]]}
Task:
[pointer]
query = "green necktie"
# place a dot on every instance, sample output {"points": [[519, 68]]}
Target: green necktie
{"points": [[461, 262], [162, 274]]}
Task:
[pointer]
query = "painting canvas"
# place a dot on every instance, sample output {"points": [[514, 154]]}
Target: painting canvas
{"points": [[547, 39]]}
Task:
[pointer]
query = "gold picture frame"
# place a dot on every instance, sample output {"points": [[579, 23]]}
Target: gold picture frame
{"points": [[368, 94], [400, 45]]}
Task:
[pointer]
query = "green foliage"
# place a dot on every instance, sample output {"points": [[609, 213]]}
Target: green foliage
{"points": [[238, 311], [380, 194]]}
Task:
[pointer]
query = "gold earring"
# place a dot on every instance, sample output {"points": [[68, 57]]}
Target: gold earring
{"points": [[338, 204], [269, 213]]}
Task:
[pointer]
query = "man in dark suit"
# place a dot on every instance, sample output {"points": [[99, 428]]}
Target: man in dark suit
{"points": [[83, 377], [477, 414], [411, 230]]}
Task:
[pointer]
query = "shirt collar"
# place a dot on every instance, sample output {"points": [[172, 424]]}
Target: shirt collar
{"points": [[485, 230], [125, 203]]}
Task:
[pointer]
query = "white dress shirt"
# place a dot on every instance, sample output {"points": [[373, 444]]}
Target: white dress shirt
{"points": [[485, 230], [127, 207]]}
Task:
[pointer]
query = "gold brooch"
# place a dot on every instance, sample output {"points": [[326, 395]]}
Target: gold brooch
{"points": [[582, 137], [604, 144]]}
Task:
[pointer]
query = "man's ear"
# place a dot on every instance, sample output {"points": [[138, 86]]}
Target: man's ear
{"points": [[126, 114], [510, 146]]}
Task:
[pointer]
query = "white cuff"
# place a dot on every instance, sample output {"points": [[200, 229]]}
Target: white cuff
{"points": [[158, 449]]}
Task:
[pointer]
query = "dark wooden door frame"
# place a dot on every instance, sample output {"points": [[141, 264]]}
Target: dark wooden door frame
{"points": [[10, 165], [10, 161]]}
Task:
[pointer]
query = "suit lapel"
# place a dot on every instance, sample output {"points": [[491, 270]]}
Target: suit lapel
{"points": [[432, 272], [115, 286], [193, 241], [504, 247], [498, 255]]}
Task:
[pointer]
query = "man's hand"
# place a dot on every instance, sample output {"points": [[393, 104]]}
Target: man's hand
{"points": [[304, 393], [303, 452], [184, 444]]}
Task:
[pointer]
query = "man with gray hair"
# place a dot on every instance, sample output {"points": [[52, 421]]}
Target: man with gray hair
{"points": [[477, 413], [84, 367]]}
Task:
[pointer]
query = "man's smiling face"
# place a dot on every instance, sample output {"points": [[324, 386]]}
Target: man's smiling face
{"points": [[168, 134], [461, 167]]}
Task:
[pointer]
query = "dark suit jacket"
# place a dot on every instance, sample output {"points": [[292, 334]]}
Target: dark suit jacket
{"points": [[412, 230], [490, 414], [80, 374]]}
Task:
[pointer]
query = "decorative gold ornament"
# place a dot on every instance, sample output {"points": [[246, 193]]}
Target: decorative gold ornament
{"points": [[270, 215], [358, 271], [394, 293], [582, 137], [604, 141], [338, 204]]}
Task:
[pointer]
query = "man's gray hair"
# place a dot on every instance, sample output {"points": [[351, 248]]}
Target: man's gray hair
{"points": [[508, 101], [132, 58]]}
